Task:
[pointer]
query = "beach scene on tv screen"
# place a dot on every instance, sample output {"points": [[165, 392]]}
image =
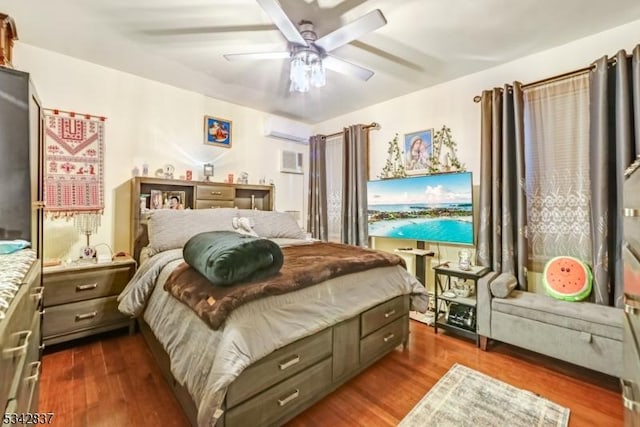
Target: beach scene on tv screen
{"points": [[433, 208]]}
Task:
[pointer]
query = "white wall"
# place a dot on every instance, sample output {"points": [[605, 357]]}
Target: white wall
{"points": [[157, 123], [154, 123], [451, 103]]}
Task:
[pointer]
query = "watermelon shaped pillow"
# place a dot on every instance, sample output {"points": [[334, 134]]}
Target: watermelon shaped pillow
{"points": [[567, 278]]}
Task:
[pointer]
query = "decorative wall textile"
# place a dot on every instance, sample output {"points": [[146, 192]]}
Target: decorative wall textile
{"points": [[317, 216], [501, 238], [614, 136], [556, 122], [74, 164]]}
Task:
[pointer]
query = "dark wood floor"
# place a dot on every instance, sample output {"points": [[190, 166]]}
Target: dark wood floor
{"points": [[113, 381]]}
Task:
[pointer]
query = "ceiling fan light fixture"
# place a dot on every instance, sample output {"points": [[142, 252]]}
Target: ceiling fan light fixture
{"points": [[306, 70]]}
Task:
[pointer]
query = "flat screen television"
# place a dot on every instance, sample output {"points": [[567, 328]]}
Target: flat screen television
{"points": [[433, 208]]}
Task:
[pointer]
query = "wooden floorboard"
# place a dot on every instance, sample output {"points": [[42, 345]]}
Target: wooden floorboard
{"points": [[112, 380]]}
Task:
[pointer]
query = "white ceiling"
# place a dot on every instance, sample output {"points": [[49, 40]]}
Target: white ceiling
{"points": [[425, 42]]}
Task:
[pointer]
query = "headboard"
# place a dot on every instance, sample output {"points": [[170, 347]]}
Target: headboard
{"points": [[190, 195]]}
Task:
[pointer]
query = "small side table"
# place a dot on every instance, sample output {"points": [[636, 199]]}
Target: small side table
{"points": [[463, 307], [80, 299], [421, 255]]}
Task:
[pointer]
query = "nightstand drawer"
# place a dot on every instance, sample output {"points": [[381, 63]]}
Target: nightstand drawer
{"points": [[81, 315], [215, 192], [78, 285], [383, 314]]}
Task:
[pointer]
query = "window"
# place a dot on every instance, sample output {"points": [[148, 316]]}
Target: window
{"points": [[556, 127], [334, 146]]}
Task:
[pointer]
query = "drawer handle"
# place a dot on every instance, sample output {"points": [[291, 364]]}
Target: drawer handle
{"points": [[35, 367], [21, 349], [37, 295], [216, 193], [389, 337], [631, 306], [389, 313], [292, 396], [86, 316], [631, 212], [289, 363], [628, 397], [87, 287]]}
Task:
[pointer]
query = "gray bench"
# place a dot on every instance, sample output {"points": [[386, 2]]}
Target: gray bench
{"points": [[582, 333]]}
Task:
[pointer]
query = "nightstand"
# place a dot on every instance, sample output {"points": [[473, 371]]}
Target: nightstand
{"points": [[460, 311], [80, 299]]}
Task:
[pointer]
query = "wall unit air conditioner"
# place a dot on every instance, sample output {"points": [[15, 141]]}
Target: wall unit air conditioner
{"points": [[291, 162], [278, 127]]}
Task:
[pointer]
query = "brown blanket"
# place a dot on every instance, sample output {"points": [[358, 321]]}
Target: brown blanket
{"points": [[304, 265]]}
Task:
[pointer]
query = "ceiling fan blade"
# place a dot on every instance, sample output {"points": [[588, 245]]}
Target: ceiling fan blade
{"points": [[256, 55], [344, 67], [288, 29], [351, 31]]}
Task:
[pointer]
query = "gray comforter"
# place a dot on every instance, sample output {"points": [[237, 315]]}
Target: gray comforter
{"points": [[207, 361]]}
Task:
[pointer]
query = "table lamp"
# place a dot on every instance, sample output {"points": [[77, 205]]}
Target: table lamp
{"points": [[87, 224]]}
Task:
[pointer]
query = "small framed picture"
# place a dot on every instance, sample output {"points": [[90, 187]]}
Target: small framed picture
{"points": [[174, 199], [156, 200], [418, 152], [217, 131]]}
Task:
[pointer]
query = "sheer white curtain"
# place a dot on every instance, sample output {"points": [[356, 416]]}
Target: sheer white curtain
{"points": [[556, 121], [334, 148]]}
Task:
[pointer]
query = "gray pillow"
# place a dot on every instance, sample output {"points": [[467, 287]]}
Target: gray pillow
{"points": [[502, 285], [170, 229], [273, 224]]}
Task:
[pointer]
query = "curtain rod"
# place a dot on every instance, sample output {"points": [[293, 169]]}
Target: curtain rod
{"points": [[610, 61], [373, 125], [73, 113]]}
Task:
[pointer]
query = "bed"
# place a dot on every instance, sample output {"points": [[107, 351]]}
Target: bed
{"points": [[275, 356]]}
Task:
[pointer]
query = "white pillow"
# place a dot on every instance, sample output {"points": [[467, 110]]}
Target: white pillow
{"points": [[170, 229], [273, 224]]}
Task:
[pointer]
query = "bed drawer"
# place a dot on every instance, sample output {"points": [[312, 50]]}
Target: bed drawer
{"points": [[208, 204], [279, 365], [215, 192], [383, 314], [81, 315], [70, 286], [284, 399], [383, 340]]}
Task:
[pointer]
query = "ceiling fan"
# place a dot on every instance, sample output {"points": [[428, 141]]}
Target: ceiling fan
{"points": [[308, 54]]}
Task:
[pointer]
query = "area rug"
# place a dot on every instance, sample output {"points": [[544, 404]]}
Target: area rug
{"points": [[74, 163], [464, 397]]}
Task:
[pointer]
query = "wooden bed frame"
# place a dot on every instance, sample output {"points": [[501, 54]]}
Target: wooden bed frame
{"points": [[291, 379]]}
